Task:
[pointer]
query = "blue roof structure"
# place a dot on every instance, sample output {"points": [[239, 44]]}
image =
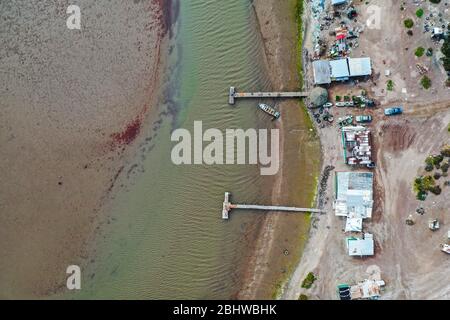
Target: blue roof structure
{"points": [[336, 2], [339, 69]]}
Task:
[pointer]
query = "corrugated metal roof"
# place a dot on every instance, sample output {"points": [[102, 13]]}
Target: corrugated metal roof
{"points": [[361, 247], [339, 69], [359, 67], [354, 198], [321, 69], [336, 2]]}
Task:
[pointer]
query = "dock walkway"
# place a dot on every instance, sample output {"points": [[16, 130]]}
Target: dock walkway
{"points": [[228, 206], [234, 95]]}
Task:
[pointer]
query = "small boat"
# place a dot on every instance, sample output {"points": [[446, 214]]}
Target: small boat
{"points": [[445, 248], [269, 110]]}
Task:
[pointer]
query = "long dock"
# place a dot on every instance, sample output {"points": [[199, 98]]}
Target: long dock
{"points": [[233, 95], [228, 206]]}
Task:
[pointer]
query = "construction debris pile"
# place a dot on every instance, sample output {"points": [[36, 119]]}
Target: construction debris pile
{"points": [[340, 20]]}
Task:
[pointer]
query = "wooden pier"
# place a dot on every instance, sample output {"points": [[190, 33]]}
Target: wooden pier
{"points": [[233, 95], [228, 206]]}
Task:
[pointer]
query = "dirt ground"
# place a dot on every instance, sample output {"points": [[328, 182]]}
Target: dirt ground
{"points": [[409, 257]]}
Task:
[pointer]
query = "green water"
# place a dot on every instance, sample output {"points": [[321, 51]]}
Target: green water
{"points": [[167, 238]]}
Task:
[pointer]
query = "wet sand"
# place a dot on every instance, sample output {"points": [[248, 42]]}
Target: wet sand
{"points": [[75, 104], [282, 236]]}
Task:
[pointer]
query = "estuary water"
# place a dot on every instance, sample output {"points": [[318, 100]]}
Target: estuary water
{"points": [[167, 239]]}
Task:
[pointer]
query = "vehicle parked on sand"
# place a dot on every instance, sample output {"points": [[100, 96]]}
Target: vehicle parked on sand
{"points": [[393, 111], [363, 118]]}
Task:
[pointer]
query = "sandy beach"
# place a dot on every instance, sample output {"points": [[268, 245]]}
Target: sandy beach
{"points": [[75, 105], [270, 267]]}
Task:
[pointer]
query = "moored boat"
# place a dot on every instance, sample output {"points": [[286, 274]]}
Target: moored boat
{"points": [[269, 110]]}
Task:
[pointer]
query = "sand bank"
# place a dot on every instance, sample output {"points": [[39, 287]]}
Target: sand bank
{"points": [[74, 106], [282, 236]]}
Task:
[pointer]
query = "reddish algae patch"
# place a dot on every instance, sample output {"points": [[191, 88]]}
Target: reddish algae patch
{"points": [[129, 134]]}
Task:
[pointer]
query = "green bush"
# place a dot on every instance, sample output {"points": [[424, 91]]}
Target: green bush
{"points": [[309, 280], [446, 52], [436, 190], [303, 297], [409, 23], [445, 167], [419, 52], [390, 85], [425, 82], [419, 13]]}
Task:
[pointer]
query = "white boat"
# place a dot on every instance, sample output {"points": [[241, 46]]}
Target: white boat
{"points": [[269, 110], [445, 248]]}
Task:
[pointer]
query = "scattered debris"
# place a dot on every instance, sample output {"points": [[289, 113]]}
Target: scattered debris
{"points": [[433, 224]]}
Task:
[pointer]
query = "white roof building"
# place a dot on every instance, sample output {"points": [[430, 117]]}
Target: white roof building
{"points": [[354, 198], [326, 71], [359, 67], [361, 247]]}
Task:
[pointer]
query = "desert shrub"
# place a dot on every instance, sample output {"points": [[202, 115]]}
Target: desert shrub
{"points": [[425, 82], [446, 52], [429, 167], [309, 280], [419, 13], [437, 176], [421, 195], [445, 167], [390, 85], [419, 52], [437, 159], [429, 160], [338, 98], [409, 23], [445, 151], [303, 297], [436, 190]]}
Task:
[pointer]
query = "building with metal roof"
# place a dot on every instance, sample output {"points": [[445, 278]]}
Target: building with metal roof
{"points": [[354, 198], [359, 67], [321, 70], [339, 70], [360, 247], [338, 2], [327, 71]]}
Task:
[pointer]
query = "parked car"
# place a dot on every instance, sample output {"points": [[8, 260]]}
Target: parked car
{"points": [[363, 118], [393, 111], [345, 104]]}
